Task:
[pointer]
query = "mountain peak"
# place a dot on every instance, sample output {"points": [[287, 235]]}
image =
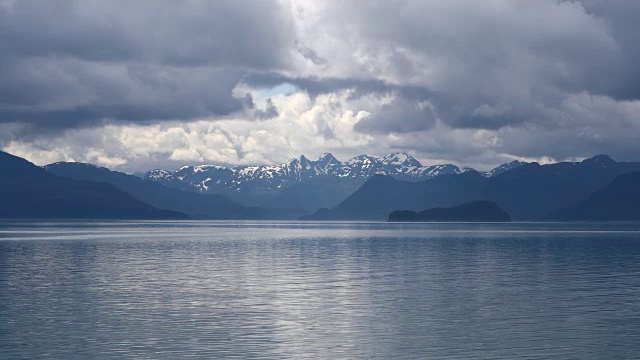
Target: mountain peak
{"points": [[327, 161], [360, 158], [601, 159], [505, 167], [300, 159], [326, 157], [401, 158], [13, 165], [514, 163]]}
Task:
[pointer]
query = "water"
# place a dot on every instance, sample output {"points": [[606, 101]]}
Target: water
{"points": [[319, 290]]}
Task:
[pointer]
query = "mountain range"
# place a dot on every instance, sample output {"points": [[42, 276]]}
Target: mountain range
{"points": [[303, 184], [363, 188], [197, 206]]}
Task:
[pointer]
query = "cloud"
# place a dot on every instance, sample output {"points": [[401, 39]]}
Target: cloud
{"points": [[590, 124], [321, 124], [78, 63], [398, 114], [621, 19], [164, 83], [504, 54], [310, 54]]}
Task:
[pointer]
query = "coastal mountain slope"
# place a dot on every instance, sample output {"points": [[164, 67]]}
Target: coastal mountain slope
{"points": [[307, 196], [527, 192], [198, 206], [484, 211], [531, 191], [382, 194], [30, 192], [617, 201]]}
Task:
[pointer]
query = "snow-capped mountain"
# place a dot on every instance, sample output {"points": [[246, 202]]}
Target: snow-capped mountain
{"points": [[268, 178], [212, 178]]}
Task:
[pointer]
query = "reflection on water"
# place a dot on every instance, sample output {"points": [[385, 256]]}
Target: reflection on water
{"points": [[322, 290]]}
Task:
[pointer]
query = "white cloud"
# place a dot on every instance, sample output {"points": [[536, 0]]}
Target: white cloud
{"points": [[304, 125]]}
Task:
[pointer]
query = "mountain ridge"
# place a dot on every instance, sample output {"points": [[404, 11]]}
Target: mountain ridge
{"points": [[303, 183], [475, 211], [526, 192], [28, 191], [206, 178], [198, 206], [617, 201]]}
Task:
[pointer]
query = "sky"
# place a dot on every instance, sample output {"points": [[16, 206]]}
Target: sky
{"points": [[138, 85]]}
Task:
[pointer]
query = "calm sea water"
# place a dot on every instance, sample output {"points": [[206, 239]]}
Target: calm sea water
{"points": [[319, 290]]}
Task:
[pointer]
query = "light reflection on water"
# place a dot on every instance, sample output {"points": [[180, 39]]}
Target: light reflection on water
{"points": [[321, 290]]}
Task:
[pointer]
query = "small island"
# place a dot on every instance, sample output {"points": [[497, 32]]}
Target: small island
{"points": [[475, 211]]}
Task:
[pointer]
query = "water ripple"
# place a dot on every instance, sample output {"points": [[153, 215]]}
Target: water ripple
{"points": [[318, 290]]}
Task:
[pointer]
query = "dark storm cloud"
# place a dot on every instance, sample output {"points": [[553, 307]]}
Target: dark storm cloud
{"points": [[72, 63], [622, 18], [69, 93], [69, 63], [178, 32]]}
